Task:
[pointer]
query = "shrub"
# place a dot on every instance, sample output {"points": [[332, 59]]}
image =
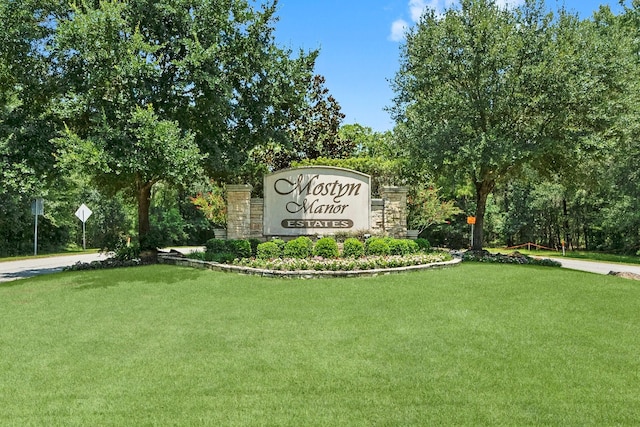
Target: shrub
{"points": [[413, 247], [423, 244], [352, 248], [216, 245], [268, 250], [224, 257], [377, 246], [219, 250], [240, 248], [281, 243], [326, 248], [125, 252], [398, 246], [300, 247], [254, 246]]}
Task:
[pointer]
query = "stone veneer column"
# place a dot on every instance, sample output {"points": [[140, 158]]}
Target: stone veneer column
{"points": [[377, 216], [257, 219], [239, 211], [395, 210]]}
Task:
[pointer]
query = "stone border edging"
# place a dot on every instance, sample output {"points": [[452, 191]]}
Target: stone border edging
{"points": [[301, 274]]}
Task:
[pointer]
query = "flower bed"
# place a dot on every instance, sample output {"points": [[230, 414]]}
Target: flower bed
{"points": [[343, 264]]}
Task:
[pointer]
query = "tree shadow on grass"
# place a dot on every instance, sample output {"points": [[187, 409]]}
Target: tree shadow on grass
{"points": [[11, 279], [108, 278]]}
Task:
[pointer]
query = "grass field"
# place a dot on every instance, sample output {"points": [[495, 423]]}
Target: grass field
{"points": [[476, 344]]}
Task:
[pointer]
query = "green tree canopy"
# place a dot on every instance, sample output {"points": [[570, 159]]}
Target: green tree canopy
{"points": [[146, 86], [484, 90]]}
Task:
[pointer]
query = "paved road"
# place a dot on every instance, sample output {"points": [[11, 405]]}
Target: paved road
{"points": [[597, 267], [12, 270]]}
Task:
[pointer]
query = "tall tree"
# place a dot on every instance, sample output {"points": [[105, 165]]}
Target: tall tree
{"points": [[148, 83], [484, 90], [26, 123]]}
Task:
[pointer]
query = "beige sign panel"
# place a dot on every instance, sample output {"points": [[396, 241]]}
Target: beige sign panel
{"points": [[316, 200]]}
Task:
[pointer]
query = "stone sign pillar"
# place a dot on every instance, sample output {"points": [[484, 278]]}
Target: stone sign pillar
{"points": [[239, 211], [395, 211], [257, 216]]}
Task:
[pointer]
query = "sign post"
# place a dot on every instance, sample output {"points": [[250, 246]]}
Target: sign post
{"points": [[471, 220], [83, 213], [37, 208]]}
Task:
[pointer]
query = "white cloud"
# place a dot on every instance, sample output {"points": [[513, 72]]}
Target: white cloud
{"points": [[418, 7], [398, 29], [509, 3]]}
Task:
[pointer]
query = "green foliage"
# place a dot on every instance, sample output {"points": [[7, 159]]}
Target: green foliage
{"points": [[326, 247], [352, 248], [241, 248], [212, 204], [300, 247], [268, 250], [377, 246], [402, 246], [426, 208], [228, 250], [167, 228], [423, 244], [373, 262], [314, 133], [254, 246], [144, 101], [512, 258], [216, 245], [484, 91], [126, 251]]}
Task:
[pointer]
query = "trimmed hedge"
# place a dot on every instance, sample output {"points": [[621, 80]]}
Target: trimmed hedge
{"points": [[268, 250], [326, 248], [301, 247], [352, 248], [376, 246]]}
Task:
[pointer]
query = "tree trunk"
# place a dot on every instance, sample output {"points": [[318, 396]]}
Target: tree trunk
{"points": [[483, 189], [565, 224], [144, 203]]}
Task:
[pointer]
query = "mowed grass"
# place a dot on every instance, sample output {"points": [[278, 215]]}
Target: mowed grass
{"points": [[471, 345]]}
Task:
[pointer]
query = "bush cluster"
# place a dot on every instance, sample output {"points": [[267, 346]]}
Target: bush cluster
{"points": [[225, 251], [228, 251], [512, 258]]}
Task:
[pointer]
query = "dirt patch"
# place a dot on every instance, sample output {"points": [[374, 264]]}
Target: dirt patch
{"points": [[625, 275]]}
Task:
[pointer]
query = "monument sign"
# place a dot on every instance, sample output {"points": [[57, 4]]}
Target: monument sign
{"points": [[316, 200]]}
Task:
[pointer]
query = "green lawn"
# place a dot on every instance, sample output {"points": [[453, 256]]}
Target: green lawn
{"points": [[472, 345]]}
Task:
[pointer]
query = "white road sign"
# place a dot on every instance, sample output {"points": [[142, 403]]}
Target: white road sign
{"points": [[83, 212]]}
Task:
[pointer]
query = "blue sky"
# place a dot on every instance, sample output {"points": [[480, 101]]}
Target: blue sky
{"points": [[359, 49]]}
